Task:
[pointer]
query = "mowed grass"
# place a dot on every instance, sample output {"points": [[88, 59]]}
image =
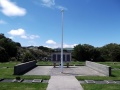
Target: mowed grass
{"points": [[101, 86], [8, 73], [9, 64], [23, 86], [115, 76], [112, 64]]}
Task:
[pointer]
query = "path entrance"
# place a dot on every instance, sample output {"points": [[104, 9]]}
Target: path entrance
{"points": [[64, 83]]}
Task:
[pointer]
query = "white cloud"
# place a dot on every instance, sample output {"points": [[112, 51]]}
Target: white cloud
{"points": [[61, 7], [69, 46], [50, 42], [59, 46], [33, 36], [53, 44], [22, 34], [48, 3], [11, 9], [2, 22], [18, 32], [52, 4]]}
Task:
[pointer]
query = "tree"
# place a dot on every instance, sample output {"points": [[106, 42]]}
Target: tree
{"points": [[9, 46], [83, 52], [111, 52], [3, 55]]}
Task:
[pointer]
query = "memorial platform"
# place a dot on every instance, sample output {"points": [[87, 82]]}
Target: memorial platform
{"points": [[71, 71]]}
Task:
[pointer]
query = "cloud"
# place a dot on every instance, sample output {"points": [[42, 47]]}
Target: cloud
{"points": [[48, 3], [11, 9], [33, 36], [50, 42], [18, 32], [53, 44], [61, 7], [2, 22], [51, 4], [69, 46], [59, 45], [22, 34]]}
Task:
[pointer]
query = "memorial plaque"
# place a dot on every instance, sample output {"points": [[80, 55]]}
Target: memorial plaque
{"points": [[37, 81], [64, 59], [7, 80], [118, 82], [27, 81], [58, 57], [54, 57], [90, 81], [100, 82], [110, 81], [45, 81], [68, 58]]}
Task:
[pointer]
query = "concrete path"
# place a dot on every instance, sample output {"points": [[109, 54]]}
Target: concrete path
{"points": [[64, 83]]}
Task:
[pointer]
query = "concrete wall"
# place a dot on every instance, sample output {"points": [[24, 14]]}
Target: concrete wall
{"points": [[99, 67], [24, 67]]}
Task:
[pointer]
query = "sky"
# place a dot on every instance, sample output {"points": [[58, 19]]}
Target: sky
{"points": [[39, 22]]}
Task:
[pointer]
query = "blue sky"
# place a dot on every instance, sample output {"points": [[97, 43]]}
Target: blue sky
{"points": [[38, 22]]}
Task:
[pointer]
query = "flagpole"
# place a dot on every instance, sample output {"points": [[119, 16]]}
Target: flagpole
{"points": [[62, 11]]}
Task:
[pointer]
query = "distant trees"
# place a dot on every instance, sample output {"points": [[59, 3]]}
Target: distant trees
{"points": [[12, 51], [109, 52]]}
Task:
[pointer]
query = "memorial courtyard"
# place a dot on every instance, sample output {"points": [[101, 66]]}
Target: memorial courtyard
{"points": [[77, 69]]}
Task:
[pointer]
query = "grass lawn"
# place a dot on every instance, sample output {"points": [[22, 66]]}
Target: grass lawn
{"points": [[44, 63], [8, 72], [101, 86], [23, 86], [115, 76], [9, 64], [112, 64]]}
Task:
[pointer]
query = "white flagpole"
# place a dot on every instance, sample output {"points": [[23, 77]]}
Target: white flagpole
{"points": [[62, 11]]}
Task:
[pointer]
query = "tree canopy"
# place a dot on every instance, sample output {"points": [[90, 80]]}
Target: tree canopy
{"points": [[109, 52]]}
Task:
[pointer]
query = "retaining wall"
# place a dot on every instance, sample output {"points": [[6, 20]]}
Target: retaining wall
{"points": [[106, 70], [24, 67]]}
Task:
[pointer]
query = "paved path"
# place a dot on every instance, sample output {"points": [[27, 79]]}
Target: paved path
{"points": [[64, 83]]}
